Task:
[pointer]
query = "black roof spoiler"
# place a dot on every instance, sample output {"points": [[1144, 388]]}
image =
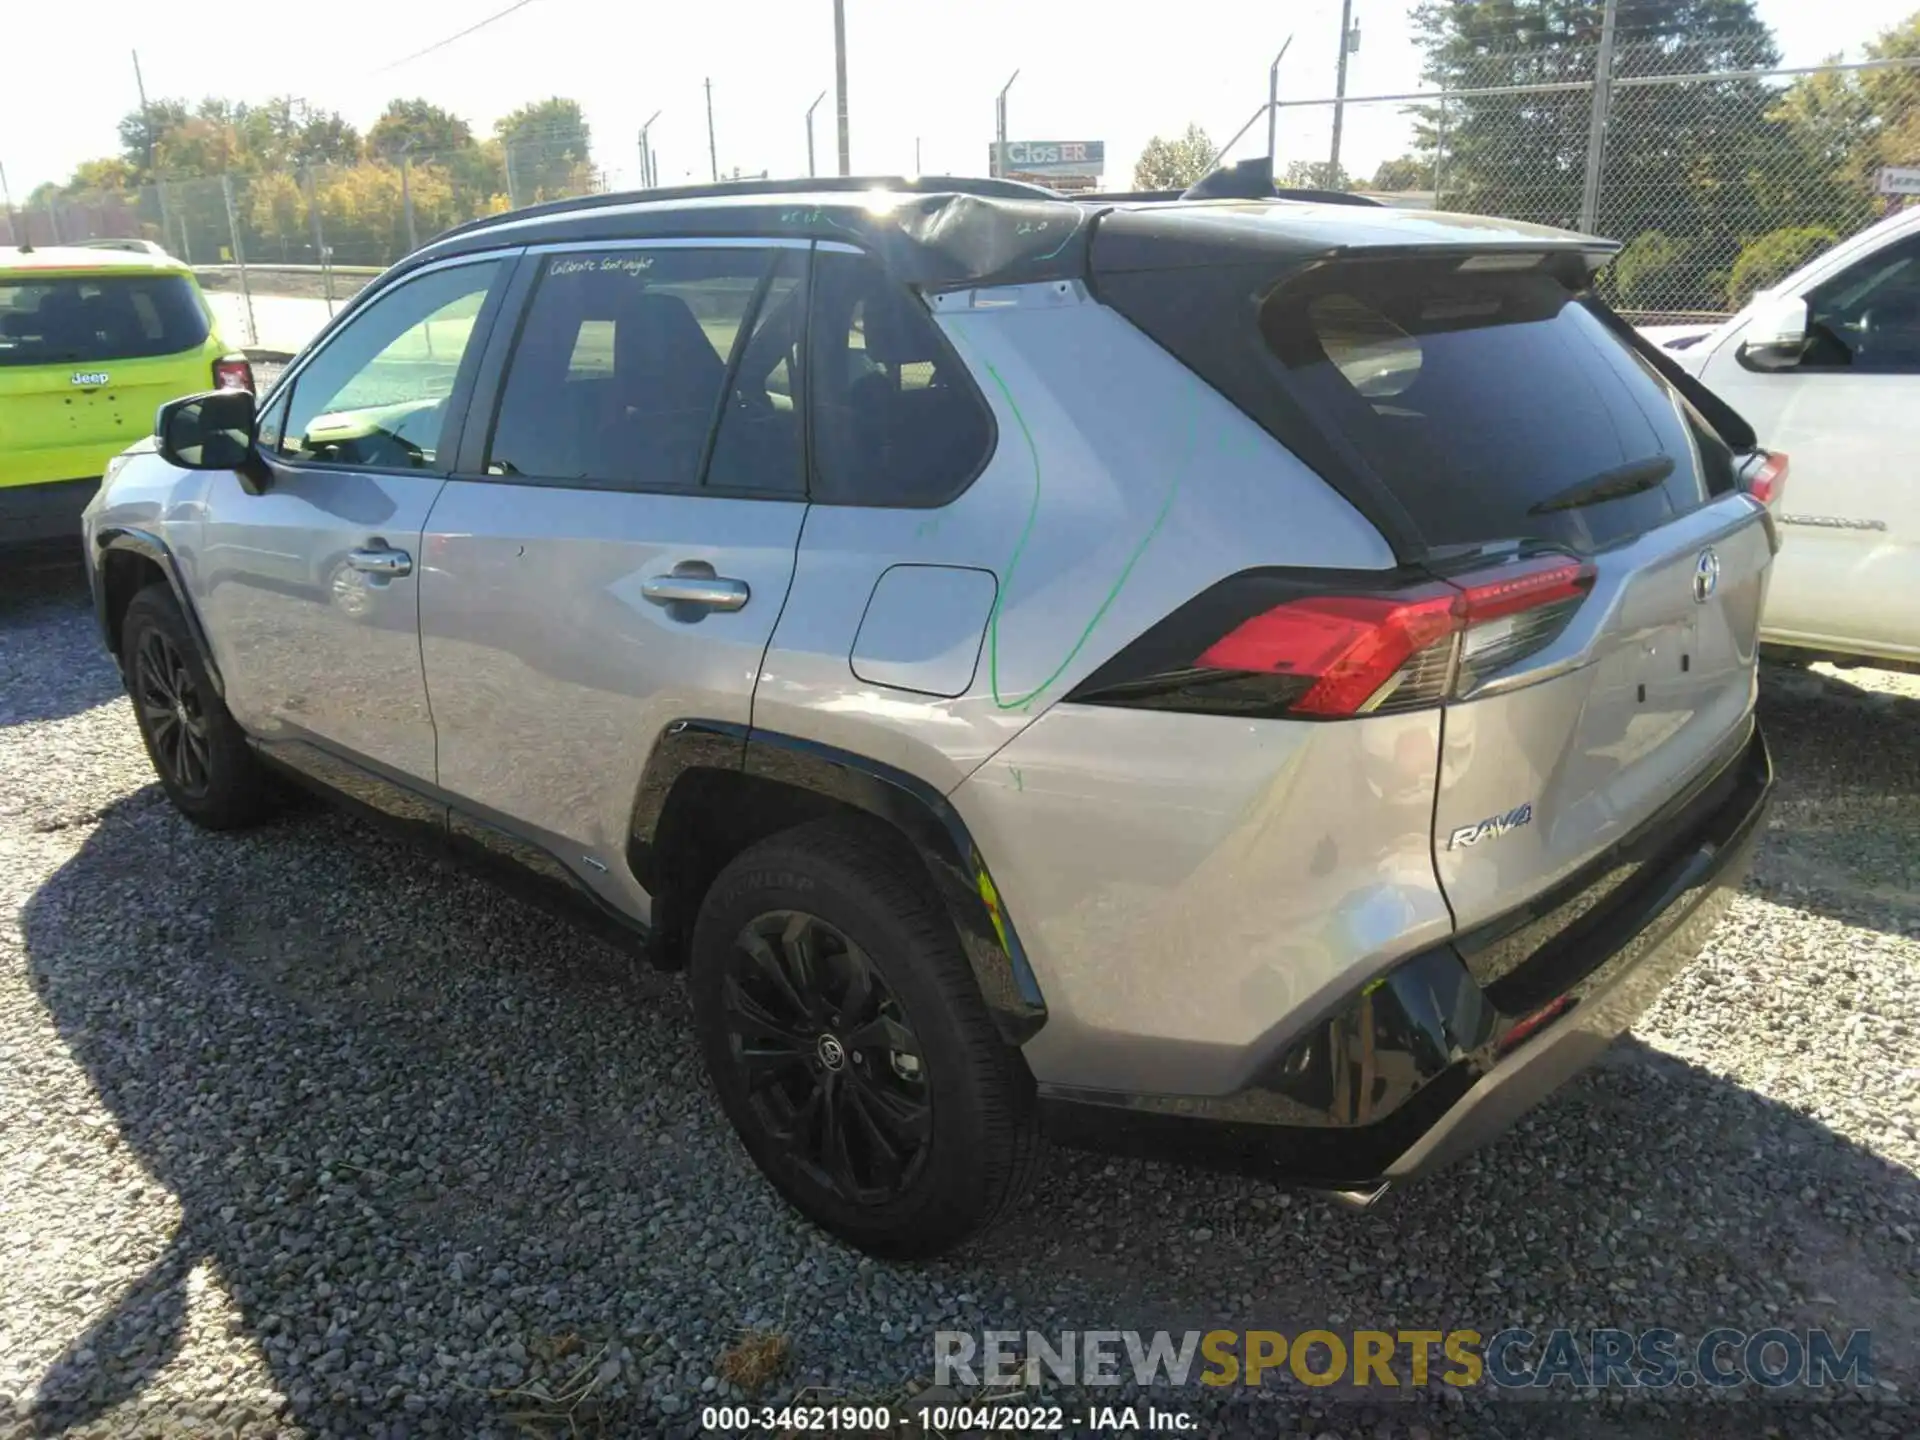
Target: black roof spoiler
{"points": [[1247, 180]]}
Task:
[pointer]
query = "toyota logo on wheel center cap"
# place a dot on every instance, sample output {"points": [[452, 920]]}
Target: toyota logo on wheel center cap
{"points": [[832, 1053]]}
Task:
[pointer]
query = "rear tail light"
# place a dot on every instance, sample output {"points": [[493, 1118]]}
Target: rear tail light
{"points": [[1769, 482], [232, 372], [1326, 656]]}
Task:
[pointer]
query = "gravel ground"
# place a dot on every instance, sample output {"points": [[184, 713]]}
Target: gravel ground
{"points": [[305, 1136]]}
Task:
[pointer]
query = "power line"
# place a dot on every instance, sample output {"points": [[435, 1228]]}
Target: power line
{"points": [[442, 44]]}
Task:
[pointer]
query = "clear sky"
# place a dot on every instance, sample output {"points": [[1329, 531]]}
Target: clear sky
{"points": [[924, 70]]}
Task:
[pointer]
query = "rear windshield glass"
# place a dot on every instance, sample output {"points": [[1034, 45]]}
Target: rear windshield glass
{"points": [[1489, 405], [97, 318]]}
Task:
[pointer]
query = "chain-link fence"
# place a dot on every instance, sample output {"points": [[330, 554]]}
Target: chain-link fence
{"points": [[311, 232], [1719, 171], [1718, 181]]}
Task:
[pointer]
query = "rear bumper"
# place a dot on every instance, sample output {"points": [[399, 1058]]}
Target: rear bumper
{"points": [[50, 510], [1444, 1051]]}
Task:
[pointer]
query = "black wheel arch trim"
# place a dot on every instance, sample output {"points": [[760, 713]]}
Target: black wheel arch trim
{"points": [[149, 546], [918, 811]]}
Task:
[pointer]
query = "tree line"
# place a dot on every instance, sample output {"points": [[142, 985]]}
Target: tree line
{"points": [[300, 177], [1718, 187]]}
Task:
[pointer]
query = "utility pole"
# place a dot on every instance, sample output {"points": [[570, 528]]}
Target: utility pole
{"points": [[1273, 104], [1597, 122], [999, 166], [146, 115], [406, 194], [713, 155], [810, 109], [647, 178], [840, 81], [1347, 38], [18, 237]]}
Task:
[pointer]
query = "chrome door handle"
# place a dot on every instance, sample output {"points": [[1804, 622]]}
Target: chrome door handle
{"points": [[381, 562], [709, 591]]}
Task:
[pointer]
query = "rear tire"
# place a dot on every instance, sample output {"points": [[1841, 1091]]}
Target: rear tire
{"points": [[899, 1067], [197, 748]]}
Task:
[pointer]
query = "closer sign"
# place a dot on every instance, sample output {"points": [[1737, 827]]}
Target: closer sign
{"points": [[1898, 180], [1051, 157]]}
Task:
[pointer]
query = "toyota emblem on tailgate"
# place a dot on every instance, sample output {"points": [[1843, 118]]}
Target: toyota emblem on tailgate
{"points": [[1706, 576]]}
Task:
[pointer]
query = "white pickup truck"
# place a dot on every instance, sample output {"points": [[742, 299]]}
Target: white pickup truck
{"points": [[1826, 366]]}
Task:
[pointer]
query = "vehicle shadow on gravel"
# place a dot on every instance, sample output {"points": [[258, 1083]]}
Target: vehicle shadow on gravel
{"points": [[419, 1135], [1844, 838], [48, 670]]}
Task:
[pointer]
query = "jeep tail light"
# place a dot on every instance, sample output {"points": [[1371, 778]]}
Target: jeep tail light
{"points": [[1348, 652], [232, 372], [1769, 482]]}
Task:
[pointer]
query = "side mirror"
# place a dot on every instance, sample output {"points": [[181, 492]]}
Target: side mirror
{"points": [[213, 431], [1776, 336]]}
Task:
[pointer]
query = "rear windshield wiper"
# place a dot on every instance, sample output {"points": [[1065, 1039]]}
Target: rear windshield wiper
{"points": [[1615, 484]]}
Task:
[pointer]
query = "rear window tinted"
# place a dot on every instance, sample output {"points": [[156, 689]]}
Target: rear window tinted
{"points": [[896, 418], [1475, 405], [1488, 404], [87, 319]]}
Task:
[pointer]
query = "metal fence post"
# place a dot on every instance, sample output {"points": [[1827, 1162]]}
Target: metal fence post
{"points": [[1597, 121], [239, 256], [1440, 153], [320, 254], [406, 200]]}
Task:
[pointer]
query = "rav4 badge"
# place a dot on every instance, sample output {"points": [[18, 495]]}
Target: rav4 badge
{"points": [[1491, 828]]}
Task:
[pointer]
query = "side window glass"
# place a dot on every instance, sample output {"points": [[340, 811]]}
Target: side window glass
{"points": [[377, 395], [758, 444], [273, 424], [617, 376], [1868, 317], [897, 419]]}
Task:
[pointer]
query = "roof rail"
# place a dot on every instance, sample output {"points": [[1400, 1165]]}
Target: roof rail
{"points": [[800, 185]]}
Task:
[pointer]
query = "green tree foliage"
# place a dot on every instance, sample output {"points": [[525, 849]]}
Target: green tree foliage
{"points": [[363, 211], [1696, 169], [1314, 175], [1409, 172], [1844, 125], [1773, 257], [1173, 164], [1644, 271], [284, 160], [417, 127], [548, 150], [140, 132]]}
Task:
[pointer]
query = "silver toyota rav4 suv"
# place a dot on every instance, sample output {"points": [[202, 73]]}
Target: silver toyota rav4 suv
{"points": [[1263, 682]]}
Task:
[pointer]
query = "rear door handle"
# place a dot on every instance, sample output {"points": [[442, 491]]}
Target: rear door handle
{"points": [[381, 561], [687, 586]]}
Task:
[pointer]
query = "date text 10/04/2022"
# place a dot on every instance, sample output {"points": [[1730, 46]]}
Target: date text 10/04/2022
{"points": [[945, 1419]]}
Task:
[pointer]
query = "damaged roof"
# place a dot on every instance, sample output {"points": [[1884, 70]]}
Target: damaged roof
{"points": [[943, 233]]}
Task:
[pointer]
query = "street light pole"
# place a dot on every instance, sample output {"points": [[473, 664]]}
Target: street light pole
{"points": [[810, 109], [713, 155], [647, 178], [1340, 90], [1273, 102], [840, 81], [1000, 126]]}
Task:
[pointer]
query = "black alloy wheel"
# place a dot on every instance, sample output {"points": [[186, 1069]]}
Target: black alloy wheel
{"points": [[173, 713], [198, 749], [832, 1070]]}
